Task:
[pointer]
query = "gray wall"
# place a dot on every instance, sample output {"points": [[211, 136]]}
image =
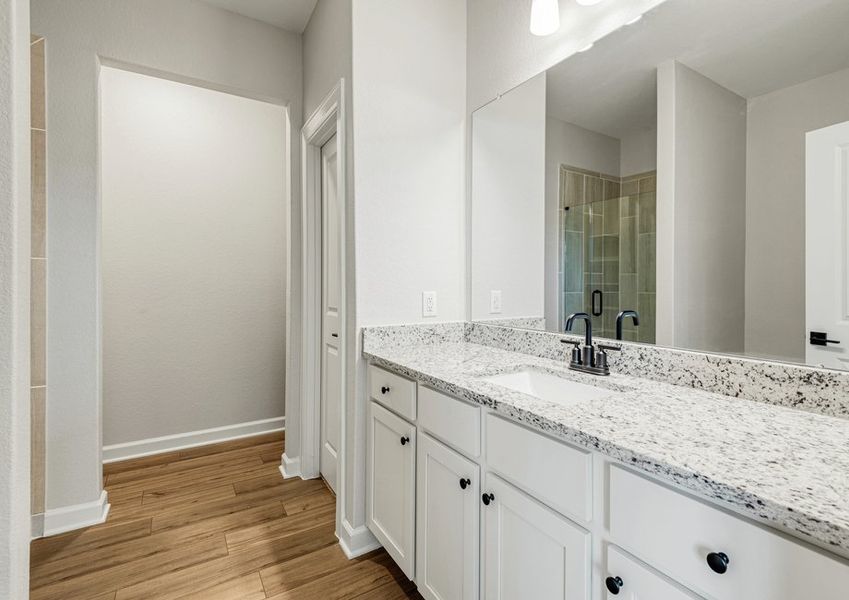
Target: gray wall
{"points": [[14, 299], [775, 211], [192, 258], [704, 155], [189, 40]]}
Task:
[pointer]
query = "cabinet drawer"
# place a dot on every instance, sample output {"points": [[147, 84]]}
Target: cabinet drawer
{"points": [[454, 421], [635, 580], [675, 533], [554, 473], [393, 391]]}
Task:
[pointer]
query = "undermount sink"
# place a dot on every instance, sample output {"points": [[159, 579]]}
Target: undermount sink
{"points": [[548, 387]]}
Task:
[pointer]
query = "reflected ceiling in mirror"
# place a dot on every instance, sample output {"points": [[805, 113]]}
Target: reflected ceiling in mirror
{"points": [[692, 168]]}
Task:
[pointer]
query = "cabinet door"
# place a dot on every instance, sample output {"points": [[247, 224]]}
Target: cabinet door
{"points": [[447, 529], [628, 579], [391, 485], [529, 550]]}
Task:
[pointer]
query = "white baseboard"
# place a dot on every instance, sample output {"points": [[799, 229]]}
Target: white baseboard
{"points": [[356, 541], [77, 516], [191, 439], [290, 467]]}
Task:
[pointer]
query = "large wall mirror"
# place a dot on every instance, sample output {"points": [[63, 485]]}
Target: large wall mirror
{"points": [[692, 167]]}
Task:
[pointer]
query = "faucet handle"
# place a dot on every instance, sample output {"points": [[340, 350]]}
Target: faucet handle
{"points": [[605, 347]]}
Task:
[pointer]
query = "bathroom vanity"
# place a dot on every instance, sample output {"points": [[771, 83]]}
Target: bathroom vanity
{"points": [[479, 487]]}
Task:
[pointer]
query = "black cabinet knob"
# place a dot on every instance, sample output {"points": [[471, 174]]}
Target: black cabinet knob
{"points": [[718, 562], [464, 483], [487, 498], [613, 584], [404, 440], [384, 389]]}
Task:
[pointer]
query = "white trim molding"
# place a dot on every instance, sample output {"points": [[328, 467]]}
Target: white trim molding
{"points": [[327, 120], [191, 439], [290, 467], [356, 541], [77, 516]]}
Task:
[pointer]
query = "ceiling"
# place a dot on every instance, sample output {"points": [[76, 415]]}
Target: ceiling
{"points": [[750, 47], [290, 15]]}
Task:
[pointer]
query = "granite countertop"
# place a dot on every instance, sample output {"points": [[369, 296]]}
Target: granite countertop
{"points": [[777, 465]]}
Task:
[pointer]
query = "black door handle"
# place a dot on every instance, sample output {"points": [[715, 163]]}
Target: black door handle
{"points": [[404, 440], [487, 498], [384, 389], [820, 338], [464, 483], [597, 303], [336, 335]]}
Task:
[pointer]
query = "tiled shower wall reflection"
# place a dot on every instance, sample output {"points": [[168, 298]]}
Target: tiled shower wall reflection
{"points": [[607, 243]]}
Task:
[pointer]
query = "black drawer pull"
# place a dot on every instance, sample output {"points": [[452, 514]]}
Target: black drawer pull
{"points": [[404, 440], [718, 562], [613, 584], [464, 483], [384, 389], [487, 498]]}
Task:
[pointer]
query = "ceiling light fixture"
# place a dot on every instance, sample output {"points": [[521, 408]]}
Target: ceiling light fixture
{"points": [[545, 17]]}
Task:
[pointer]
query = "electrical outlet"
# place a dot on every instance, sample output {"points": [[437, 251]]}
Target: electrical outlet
{"points": [[428, 304], [495, 302]]}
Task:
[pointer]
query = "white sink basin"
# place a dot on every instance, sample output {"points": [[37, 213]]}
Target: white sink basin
{"points": [[548, 387]]}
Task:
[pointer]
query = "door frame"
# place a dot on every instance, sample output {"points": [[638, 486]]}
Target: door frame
{"points": [[326, 121]]}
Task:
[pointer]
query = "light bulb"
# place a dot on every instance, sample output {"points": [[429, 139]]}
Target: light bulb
{"points": [[587, 2], [545, 17]]}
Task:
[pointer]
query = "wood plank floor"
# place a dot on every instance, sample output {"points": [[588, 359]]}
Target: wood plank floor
{"points": [[211, 523]]}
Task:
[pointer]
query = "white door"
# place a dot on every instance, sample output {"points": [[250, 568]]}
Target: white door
{"points": [[331, 333], [827, 246], [447, 528], [391, 485], [529, 550]]}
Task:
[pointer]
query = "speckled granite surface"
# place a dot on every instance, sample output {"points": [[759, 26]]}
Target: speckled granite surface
{"points": [[816, 390], [785, 467]]}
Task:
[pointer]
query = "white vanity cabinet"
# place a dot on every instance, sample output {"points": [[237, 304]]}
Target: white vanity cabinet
{"points": [[473, 505], [391, 487], [529, 551], [448, 522]]}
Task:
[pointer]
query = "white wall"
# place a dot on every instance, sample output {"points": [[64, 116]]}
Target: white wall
{"points": [[409, 123], [701, 208], [503, 53], [14, 299], [639, 152], [775, 210], [189, 40], [327, 58], [508, 202], [193, 257]]}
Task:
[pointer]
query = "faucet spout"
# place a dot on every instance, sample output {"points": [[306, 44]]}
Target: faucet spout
{"points": [[582, 316], [621, 317]]}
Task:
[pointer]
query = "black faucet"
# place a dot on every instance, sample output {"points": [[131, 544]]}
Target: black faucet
{"points": [[585, 358], [621, 317]]}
